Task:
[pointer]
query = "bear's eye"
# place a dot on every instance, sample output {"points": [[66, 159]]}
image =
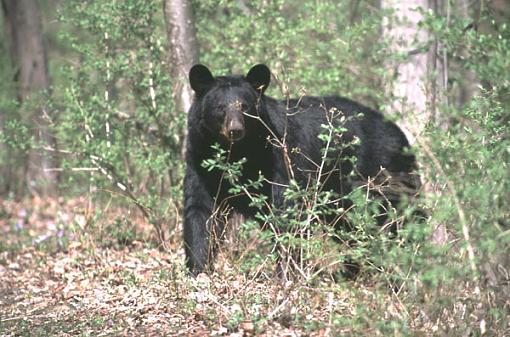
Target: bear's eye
{"points": [[244, 107], [219, 110]]}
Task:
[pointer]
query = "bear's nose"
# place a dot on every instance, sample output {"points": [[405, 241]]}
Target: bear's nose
{"points": [[235, 130], [235, 135]]}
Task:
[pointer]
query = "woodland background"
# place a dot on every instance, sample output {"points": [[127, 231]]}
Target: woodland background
{"points": [[93, 101]]}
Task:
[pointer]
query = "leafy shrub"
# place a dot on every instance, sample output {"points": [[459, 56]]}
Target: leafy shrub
{"points": [[118, 128]]}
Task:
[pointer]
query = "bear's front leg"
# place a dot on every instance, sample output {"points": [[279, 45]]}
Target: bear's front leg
{"points": [[198, 222]]}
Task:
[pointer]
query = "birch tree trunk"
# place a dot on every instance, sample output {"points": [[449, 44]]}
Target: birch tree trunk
{"points": [[419, 76], [28, 51], [183, 51]]}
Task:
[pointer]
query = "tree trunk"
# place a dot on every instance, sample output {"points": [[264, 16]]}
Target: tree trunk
{"points": [[420, 77], [183, 50], [469, 86], [28, 51]]}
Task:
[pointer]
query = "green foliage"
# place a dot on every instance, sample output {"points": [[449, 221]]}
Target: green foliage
{"points": [[314, 47], [15, 138], [118, 234], [482, 47], [117, 119], [16, 135]]}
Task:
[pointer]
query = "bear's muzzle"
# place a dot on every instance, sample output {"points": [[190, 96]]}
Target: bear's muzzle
{"points": [[233, 128]]}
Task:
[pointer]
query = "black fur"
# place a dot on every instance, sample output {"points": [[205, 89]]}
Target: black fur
{"points": [[224, 112]]}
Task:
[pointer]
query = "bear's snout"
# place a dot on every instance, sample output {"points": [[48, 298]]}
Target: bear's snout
{"points": [[234, 128]]}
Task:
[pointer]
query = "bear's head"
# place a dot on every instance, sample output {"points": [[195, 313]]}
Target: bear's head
{"points": [[226, 102]]}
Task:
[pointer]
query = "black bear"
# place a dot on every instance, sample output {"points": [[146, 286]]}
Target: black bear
{"points": [[278, 139]]}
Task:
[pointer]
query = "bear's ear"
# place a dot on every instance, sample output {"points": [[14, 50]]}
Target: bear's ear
{"points": [[200, 78], [259, 77]]}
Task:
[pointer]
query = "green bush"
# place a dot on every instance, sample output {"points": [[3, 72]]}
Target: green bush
{"points": [[118, 129]]}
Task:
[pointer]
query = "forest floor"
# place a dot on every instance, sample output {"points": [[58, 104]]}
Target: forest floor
{"points": [[59, 277]]}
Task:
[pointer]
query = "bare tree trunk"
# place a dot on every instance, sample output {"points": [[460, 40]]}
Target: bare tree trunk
{"points": [[438, 70], [5, 172], [24, 26], [183, 50], [421, 76], [469, 86]]}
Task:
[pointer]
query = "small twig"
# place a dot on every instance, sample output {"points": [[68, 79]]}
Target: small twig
{"points": [[106, 93], [271, 315], [74, 169]]}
